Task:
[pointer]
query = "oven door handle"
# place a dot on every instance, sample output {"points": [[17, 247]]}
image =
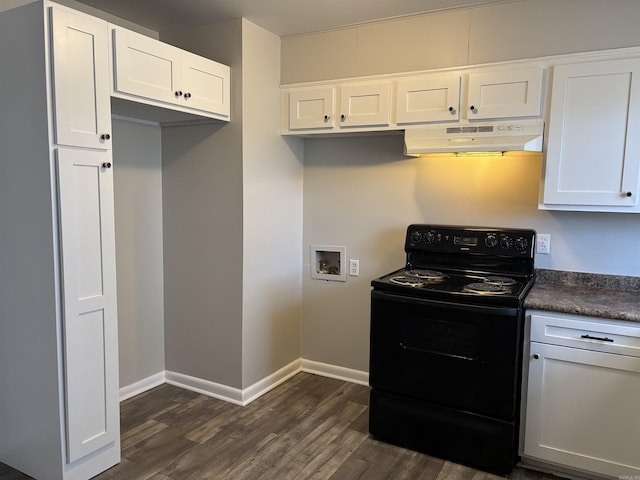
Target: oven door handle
{"points": [[394, 297], [433, 352]]}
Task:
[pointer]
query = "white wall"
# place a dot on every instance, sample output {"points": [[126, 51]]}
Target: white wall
{"points": [[362, 193], [137, 178], [505, 31]]}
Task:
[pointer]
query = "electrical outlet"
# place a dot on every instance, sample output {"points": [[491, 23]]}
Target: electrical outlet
{"points": [[543, 243], [354, 268]]}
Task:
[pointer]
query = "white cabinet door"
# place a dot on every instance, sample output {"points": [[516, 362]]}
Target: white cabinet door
{"points": [[365, 104], [593, 155], [160, 74], [429, 98], [85, 184], [311, 108], [505, 94], [205, 84], [145, 67], [80, 56], [582, 410]]}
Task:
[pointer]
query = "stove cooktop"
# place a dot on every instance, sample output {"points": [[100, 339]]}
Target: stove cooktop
{"points": [[472, 287]]}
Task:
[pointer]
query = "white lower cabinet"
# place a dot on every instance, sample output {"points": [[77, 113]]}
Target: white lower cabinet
{"points": [[90, 332], [583, 394]]}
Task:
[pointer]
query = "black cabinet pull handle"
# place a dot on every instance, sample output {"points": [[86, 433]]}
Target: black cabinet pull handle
{"points": [[603, 339], [106, 165]]}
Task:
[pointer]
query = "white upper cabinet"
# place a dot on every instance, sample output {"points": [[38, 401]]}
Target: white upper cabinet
{"points": [[505, 94], [149, 71], [80, 61], [593, 154], [206, 84], [360, 105], [311, 108], [428, 98], [365, 104], [399, 102]]}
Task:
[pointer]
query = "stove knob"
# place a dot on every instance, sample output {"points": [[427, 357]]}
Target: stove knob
{"points": [[415, 238], [522, 244], [491, 240], [430, 237], [506, 242]]}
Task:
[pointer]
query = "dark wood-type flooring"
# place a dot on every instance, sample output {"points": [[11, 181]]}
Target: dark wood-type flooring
{"points": [[310, 427]]}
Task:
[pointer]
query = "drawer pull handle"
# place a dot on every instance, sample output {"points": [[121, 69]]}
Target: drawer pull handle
{"points": [[604, 339]]}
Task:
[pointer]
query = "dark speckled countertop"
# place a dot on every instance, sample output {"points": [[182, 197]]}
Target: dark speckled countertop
{"points": [[605, 296]]}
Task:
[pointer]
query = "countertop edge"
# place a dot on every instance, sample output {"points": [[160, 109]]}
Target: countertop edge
{"points": [[595, 295]]}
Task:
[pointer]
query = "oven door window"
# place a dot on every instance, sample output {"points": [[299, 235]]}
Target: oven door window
{"points": [[461, 356]]}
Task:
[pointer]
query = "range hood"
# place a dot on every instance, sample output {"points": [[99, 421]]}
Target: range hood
{"points": [[486, 137]]}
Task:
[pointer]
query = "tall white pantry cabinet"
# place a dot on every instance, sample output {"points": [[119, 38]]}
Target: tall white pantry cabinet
{"points": [[59, 405]]}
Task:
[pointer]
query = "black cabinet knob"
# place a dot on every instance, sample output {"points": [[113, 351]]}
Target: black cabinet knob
{"points": [[106, 165], [105, 136], [343, 117], [536, 356], [178, 93], [187, 95], [326, 118], [473, 108], [629, 194], [451, 109]]}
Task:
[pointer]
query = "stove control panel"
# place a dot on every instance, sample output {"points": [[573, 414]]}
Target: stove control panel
{"points": [[473, 240]]}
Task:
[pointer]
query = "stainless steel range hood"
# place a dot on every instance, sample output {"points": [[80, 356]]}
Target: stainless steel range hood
{"points": [[486, 137]]}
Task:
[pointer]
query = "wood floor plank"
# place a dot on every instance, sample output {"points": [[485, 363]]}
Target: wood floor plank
{"points": [[329, 460], [308, 428], [140, 432]]}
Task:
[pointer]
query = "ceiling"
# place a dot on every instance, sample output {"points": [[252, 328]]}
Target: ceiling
{"points": [[281, 17]]}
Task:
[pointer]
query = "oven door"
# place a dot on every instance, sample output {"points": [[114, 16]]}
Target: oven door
{"points": [[461, 356]]}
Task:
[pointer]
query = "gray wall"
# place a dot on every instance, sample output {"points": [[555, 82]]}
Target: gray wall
{"points": [[81, 7], [233, 222], [361, 193], [202, 200], [137, 177], [272, 210]]}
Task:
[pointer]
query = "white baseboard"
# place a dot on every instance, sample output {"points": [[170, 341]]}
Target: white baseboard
{"points": [[206, 387], [272, 381], [334, 371], [243, 396], [142, 386]]}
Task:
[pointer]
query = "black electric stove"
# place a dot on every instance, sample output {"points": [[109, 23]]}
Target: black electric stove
{"points": [[446, 344]]}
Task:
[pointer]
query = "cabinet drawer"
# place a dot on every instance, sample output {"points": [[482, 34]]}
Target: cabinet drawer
{"points": [[587, 333]]}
